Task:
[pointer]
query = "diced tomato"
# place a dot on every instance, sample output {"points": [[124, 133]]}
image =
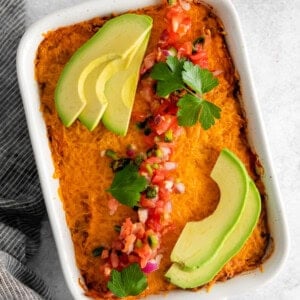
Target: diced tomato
{"points": [[157, 178], [177, 131], [162, 123], [105, 254], [150, 139], [144, 253], [132, 258], [139, 116], [161, 110], [147, 93], [117, 245], [160, 204], [178, 24], [112, 206], [178, 19], [185, 26], [167, 107], [154, 221], [173, 11], [171, 38], [114, 259], [185, 49], [159, 211], [129, 243], [148, 62], [147, 203], [139, 229], [200, 58], [126, 228], [124, 259], [153, 160], [163, 194]]}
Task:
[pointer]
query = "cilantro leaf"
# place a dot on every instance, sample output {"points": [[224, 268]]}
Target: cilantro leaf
{"points": [[178, 74], [200, 80], [189, 110], [192, 76], [209, 112], [208, 80], [131, 281], [168, 76], [127, 185], [193, 109]]}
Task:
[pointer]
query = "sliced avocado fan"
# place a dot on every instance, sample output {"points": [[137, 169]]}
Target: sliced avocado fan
{"points": [[200, 240], [120, 91], [118, 37], [184, 278]]}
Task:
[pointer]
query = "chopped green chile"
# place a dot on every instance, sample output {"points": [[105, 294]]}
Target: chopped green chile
{"points": [[142, 124], [169, 136], [139, 159], [199, 40], [112, 154], [97, 251], [147, 131], [117, 228], [119, 164], [152, 241], [151, 192]]}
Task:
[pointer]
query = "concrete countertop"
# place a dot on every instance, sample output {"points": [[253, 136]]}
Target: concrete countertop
{"points": [[271, 30]]}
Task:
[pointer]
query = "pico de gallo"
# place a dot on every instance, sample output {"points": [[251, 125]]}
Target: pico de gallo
{"points": [[139, 241]]}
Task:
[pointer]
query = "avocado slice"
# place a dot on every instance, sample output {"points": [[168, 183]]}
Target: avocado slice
{"points": [[92, 81], [120, 91], [109, 42], [232, 245], [199, 241], [95, 106]]}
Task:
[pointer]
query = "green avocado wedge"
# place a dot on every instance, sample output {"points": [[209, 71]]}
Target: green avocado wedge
{"points": [[199, 241], [233, 244], [120, 100], [95, 106], [118, 37]]}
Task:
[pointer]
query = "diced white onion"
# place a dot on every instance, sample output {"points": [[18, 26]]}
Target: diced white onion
{"points": [[179, 187], [146, 175], [168, 207], [166, 151], [185, 5], [158, 258], [143, 214], [170, 165], [168, 184]]}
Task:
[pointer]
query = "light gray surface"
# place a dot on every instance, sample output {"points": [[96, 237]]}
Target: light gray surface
{"points": [[272, 33]]}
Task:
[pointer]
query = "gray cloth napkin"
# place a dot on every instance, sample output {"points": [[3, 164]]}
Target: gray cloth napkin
{"points": [[21, 201]]}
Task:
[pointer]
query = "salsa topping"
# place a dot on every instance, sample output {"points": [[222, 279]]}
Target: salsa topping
{"points": [[175, 77], [179, 74]]}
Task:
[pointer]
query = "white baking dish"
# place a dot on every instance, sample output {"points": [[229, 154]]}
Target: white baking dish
{"points": [[37, 129]]}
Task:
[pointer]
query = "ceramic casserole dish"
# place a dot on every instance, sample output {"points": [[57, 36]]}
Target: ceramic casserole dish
{"points": [[30, 93]]}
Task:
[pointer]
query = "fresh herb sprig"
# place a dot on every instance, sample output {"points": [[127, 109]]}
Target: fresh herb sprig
{"points": [[131, 281], [127, 185], [179, 74]]}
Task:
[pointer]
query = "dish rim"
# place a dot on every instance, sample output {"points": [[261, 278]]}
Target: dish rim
{"points": [[37, 130]]}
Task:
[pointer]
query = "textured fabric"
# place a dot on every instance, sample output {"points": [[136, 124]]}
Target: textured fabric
{"points": [[21, 202]]}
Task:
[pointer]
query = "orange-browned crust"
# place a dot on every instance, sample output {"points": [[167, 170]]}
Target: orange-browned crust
{"points": [[84, 175]]}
